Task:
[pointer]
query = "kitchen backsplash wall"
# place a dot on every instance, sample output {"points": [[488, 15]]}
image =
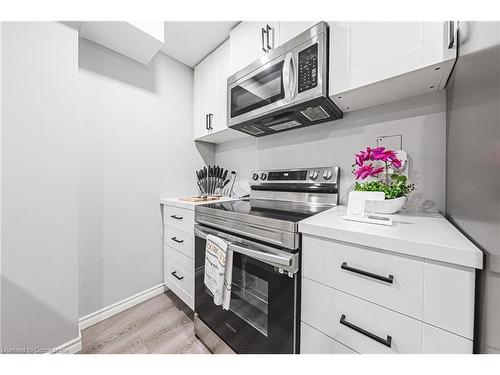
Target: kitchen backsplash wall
{"points": [[421, 121]]}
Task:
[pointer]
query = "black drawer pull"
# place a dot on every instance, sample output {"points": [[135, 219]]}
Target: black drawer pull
{"points": [[386, 342], [177, 277], [176, 240], [388, 279], [176, 217]]}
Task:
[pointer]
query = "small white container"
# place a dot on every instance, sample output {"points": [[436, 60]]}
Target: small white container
{"points": [[387, 206]]}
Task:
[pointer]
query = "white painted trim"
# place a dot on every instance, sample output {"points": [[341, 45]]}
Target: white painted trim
{"points": [[120, 306], [70, 347]]}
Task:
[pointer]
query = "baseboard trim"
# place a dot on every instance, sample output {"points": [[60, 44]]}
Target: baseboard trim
{"points": [[120, 306], [70, 347]]}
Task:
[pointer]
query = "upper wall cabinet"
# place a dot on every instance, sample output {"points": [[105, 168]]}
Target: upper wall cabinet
{"points": [[251, 40], [210, 98], [138, 40], [374, 63]]}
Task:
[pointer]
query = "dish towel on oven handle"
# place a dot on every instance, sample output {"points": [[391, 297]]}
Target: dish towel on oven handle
{"points": [[218, 270]]}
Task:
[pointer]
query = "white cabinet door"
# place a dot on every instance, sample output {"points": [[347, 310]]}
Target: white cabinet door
{"points": [[204, 90], [220, 61], [365, 53], [289, 30], [250, 40]]}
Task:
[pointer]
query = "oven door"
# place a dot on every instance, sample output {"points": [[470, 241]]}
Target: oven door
{"points": [[262, 317]]}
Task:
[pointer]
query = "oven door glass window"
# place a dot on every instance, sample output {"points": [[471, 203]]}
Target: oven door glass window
{"points": [[249, 298], [258, 90]]}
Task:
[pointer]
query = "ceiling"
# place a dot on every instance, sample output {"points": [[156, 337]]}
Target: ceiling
{"points": [[191, 42]]}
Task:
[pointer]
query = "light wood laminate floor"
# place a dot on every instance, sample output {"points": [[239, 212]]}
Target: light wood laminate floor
{"points": [[162, 324]]}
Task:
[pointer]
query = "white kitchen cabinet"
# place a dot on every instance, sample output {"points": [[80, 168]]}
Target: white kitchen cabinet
{"points": [[210, 98], [425, 306], [204, 96], [289, 30], [250, 40], [373, 63]]}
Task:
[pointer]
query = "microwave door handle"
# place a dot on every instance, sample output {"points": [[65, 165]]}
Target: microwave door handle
{"points": [[286, 76]]}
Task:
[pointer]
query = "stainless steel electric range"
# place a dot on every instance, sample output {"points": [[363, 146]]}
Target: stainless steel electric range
{"points": [[262, 232]]}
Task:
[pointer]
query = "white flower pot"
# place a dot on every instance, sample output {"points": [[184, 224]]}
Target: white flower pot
{"points": [[387, 206]]}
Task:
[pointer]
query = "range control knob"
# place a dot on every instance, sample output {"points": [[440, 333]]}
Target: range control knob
{"points": [[263, 176], [255, 177], [327, 175], [313, 175]]}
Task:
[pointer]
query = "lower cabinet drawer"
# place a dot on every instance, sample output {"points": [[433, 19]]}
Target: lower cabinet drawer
{"points": [[435, 340], [181, 218], [179, 240], [178, 275], [313, 341], [358, 324], [390, 280]]}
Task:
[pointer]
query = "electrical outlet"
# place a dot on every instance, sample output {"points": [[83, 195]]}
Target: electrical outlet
{"points": [[391, 142]]}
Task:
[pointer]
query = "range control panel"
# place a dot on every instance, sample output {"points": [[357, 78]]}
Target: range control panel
{"points": [[309, 175]]}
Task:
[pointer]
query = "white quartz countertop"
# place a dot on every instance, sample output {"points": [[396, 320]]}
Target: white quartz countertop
{"points": [[176, 202], [420, 234]]}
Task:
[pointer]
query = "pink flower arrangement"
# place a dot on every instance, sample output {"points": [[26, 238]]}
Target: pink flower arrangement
{"points": [[368, 162]]}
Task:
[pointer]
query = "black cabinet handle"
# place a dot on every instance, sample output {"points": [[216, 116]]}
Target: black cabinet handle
{"points": [[386, 342], [176, 240], [268, 29], [177, 277], [388, 279], [176, 217], [206, 121], [263, 31], [210, 117]]}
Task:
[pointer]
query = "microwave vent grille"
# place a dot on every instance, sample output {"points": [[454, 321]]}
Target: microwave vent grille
{"points": [[315, 113]]}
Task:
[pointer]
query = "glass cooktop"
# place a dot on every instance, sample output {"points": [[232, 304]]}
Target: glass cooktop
{"points": [[260, 208]]}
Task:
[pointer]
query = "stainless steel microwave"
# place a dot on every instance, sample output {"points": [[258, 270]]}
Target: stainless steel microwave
{"points": [[285, 89]]}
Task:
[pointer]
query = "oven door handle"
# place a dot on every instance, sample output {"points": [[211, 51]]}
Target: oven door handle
{"points": [[287, 261], [260, 255]]}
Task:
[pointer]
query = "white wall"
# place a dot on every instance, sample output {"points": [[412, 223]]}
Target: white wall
{"points": [[39, 239], [420, 120], [135, 146]]}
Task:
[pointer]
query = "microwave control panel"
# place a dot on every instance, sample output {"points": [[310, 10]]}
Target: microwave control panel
{"points": [[308, 68]]}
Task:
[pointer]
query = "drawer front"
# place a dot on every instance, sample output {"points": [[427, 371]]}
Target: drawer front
{"points": [[180, 218], [365, 327], [179, 240], [393, 281], [449, 297], [178, 274], [438, 341], [313, 341]]}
